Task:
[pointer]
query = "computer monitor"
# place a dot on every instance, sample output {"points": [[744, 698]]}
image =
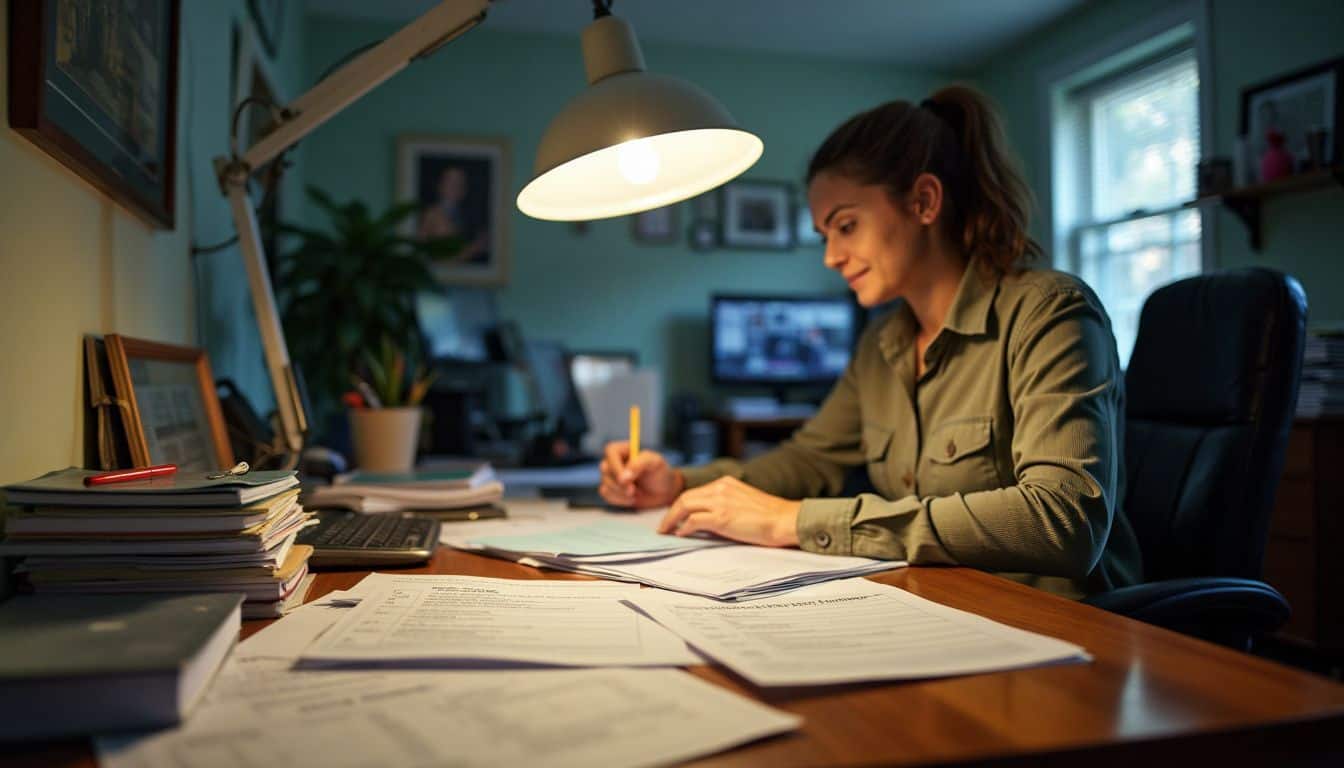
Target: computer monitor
{"points": [[454, 322], [781, 340]]}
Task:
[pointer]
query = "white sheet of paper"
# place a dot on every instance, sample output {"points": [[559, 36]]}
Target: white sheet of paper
{"points": [[609, 717], [471, 620], [287, 637], [849, 631], [734, 572]]}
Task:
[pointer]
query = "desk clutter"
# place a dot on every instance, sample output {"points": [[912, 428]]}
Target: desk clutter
{"points": [[229, 534], [430, 669]]}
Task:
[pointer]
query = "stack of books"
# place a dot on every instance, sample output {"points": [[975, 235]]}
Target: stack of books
{"points": [[182, 533], [1322, 389]]}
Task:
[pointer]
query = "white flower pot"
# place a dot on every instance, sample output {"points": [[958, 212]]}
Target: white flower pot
{"points": [[385, 438]]}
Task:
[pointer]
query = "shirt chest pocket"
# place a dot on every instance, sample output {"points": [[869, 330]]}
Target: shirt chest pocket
{"points": [[959, 458]]}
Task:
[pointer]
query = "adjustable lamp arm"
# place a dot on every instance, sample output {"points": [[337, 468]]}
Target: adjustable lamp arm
{"points": [[441, 24]]}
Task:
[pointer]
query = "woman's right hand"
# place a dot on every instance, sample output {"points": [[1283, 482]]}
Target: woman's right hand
{"points": [[648, 481]]}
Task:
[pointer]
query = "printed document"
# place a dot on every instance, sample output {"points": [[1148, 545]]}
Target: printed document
{"points": [[849, 631], [737, 572], [264, 716], [603, 537], [467, 620]]}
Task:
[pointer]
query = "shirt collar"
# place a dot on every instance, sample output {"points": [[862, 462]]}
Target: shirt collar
{"points": [[968, 315]]}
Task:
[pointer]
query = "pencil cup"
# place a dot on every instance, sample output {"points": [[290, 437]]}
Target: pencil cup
{"points": [[385, 438]]}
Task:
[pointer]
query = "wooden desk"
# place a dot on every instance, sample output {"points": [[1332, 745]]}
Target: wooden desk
{"points": [[1149, 694]]}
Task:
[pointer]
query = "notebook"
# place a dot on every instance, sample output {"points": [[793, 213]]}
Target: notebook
{"points": [[183, 489], [93, 664]]}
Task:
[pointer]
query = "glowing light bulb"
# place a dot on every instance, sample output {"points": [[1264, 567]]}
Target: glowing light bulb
{"points": [[638, 161]]}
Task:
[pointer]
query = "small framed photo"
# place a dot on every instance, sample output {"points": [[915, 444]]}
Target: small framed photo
{"points": [[757, 214], [703, 235], [658, 226], [459, 184], [1304, 108], [170, 394]]}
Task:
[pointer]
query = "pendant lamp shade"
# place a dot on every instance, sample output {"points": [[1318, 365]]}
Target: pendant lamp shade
{"points": [[632, 141]]}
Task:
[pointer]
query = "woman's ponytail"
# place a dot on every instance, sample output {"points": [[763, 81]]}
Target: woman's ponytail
{"points": [[955, 135]]}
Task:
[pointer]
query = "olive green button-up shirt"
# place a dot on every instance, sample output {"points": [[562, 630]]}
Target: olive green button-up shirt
{"points": [[1006, 455]]}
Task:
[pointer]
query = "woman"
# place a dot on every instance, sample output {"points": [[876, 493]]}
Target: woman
{"points": [[987, 406]]}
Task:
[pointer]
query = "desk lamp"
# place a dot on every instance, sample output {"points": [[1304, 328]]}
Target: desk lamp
{"points": [[631, 142]]}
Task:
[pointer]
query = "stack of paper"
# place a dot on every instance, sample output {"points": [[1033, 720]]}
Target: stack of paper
{"points": [[625, 548], [183, 533], [441, 489]]}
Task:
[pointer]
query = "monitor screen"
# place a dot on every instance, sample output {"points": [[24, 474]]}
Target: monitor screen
{"points": [[781, 339], [454, 321]]}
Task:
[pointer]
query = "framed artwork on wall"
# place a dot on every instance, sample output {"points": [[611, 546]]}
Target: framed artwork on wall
{"points": [[459, 187], [94, 84], [1302, 111], [757, 214], [170, 393], [658, 226]]}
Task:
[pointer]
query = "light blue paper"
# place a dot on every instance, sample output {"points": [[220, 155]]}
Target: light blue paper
{"points": [[607, 537]]}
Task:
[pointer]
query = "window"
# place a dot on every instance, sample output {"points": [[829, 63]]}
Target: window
{"points": [[1126, 149]]}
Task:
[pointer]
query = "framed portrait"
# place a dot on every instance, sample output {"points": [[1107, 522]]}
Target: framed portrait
{"points": [[459, 186], [658, 226], [170, 394], [94, 84], [756, 214], [1305, 108]]}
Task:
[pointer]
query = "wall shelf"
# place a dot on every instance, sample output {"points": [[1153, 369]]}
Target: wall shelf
{"points": [[1245, 202]]}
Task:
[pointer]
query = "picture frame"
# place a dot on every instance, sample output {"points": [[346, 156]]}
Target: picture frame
{"points": [[656, 227], [1297, 104], [459, 184], [93, 83], [170, 393], [756, 214]]}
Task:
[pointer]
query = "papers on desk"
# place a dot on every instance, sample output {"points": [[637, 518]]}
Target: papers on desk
{"points": [[849, 631], [624, 547], [474, 621], [261, 714], [395, 498]]}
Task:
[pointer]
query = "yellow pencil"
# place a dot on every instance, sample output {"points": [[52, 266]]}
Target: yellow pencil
{"points": [[634, 432]]}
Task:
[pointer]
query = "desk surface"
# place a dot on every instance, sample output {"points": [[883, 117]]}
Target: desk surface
{"points": [[1148, 693]]}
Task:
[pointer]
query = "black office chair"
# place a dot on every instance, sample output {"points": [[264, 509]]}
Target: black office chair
{"points": [[1211, 389]]}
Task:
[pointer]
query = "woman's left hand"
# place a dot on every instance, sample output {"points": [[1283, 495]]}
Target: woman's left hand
{"points": [[734, 510]]}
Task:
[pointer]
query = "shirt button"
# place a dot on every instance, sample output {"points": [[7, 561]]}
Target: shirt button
{"points": [[951, 448], [908, 478], [823, 539]]}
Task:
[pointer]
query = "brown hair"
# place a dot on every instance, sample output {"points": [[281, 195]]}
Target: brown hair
{"points": [[954, 135]]}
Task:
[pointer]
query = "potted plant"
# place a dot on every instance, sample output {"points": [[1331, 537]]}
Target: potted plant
{"points": [[385, 411], [344, 290]]}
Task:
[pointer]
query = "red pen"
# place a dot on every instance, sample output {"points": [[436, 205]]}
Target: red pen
{"points": [[127, 475]]}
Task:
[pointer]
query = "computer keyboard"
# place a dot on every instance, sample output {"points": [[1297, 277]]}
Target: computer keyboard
{"points": [[351, 538]]}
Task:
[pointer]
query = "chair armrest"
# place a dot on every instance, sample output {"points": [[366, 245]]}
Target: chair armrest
{"points": [[1208, 607]]}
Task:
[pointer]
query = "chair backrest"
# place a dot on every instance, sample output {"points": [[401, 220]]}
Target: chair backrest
{"points": [[1211, 390]]}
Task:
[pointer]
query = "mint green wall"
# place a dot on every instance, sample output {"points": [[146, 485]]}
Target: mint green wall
{"points": [[1251, 42], [600, 289]]}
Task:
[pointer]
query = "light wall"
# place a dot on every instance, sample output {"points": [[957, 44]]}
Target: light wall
{"points": [[600, 289], [73, 262], [1251, 42]]}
